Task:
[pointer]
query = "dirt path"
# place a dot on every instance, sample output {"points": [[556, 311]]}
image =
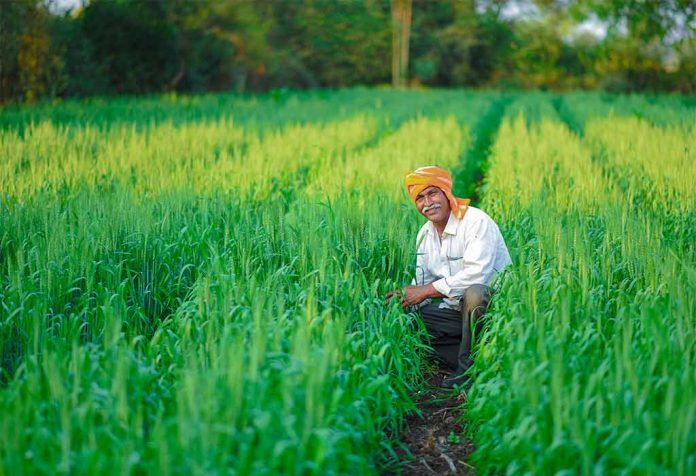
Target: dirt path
{"points": [[433, 441]]}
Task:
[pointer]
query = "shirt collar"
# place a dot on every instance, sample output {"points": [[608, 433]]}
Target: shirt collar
{"points": [[450, 228]]}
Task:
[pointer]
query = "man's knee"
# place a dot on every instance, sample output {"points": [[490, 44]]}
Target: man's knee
{"points": [[476, 298]]}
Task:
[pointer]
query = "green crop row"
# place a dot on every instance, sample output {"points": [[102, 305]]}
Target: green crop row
{"points": [[589, 362], [195, 285], [208, 297]]}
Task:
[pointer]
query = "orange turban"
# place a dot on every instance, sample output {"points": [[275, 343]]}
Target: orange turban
{"points": [[431, 176]]}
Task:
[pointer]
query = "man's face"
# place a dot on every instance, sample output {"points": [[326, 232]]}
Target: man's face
{"points": [[432, 203]]}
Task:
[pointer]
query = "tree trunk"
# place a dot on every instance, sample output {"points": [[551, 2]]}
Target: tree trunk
{"points": [[396, 39], [405, 41], [401, 33]]}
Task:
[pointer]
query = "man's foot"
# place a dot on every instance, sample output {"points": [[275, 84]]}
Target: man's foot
{"points": [[457, 379]]}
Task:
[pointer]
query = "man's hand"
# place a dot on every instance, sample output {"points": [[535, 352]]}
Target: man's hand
{"points": [[414, 295], [392, 294]]}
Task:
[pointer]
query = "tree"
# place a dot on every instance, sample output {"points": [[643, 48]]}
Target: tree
{"points": [[133, 41], [30, 65], [644, 40], [315, 43]]}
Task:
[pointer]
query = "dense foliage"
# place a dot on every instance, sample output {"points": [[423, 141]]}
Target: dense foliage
{"points": [[589, 365], [189, 289], [130, 46], [195, 284]]}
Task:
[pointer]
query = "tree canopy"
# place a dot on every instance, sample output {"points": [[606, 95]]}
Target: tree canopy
{"points": [[129, 46]]}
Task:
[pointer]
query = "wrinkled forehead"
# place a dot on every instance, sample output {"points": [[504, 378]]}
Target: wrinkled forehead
{"points": [[427, 190]]}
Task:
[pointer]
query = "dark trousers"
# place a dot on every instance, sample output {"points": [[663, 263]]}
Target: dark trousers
{"points": [[451, 332]]}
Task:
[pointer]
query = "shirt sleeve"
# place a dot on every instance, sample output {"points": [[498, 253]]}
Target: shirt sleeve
{"points": [[423, 275], [477, 262]]}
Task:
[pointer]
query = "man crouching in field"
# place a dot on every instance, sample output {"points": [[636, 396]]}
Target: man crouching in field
{"points": [[459, 251]]}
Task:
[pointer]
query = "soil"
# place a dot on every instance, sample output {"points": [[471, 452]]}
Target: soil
{"points": [[433, 442]]}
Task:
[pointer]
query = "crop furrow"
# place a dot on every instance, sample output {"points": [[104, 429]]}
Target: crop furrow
{"points": [[469, 174]]}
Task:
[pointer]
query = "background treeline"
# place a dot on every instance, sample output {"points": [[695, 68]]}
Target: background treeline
{"points": [[136, 46]]}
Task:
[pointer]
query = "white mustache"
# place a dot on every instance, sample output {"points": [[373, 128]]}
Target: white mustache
{"points": [[434, 206]]}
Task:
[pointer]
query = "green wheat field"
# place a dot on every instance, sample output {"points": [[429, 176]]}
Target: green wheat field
{"points": [[195, 285]]}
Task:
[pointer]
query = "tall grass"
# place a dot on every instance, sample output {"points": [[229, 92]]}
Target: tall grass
{"points": [[207, 297], [194, 284], [589, 364]]}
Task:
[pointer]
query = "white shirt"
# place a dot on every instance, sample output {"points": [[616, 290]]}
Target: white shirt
{"points": [[471, 251]]}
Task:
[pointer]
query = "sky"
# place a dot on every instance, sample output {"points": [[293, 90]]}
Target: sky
{"points": [[65, 5]]}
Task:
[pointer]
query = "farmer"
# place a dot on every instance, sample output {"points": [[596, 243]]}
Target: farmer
{"points": [[459, 252]]}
